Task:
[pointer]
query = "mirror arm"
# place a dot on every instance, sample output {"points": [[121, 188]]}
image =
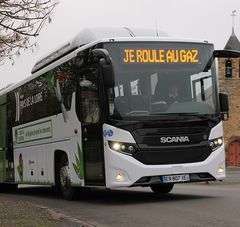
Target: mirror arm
{"points": [[209, 63], [226, 54], [101, 53], [106, 65], [221, 54]]}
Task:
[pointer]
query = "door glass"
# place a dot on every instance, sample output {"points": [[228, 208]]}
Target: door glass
{"points": [[92, 129], [89, 96]]}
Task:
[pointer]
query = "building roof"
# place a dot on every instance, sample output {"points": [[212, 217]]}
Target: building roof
{"points": [[233, 42]]}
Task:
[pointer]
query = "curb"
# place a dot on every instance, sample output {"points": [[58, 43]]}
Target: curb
{"points": [[58, 216]]}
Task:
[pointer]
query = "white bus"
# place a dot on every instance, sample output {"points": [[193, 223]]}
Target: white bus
{"points": [[115, 108]]}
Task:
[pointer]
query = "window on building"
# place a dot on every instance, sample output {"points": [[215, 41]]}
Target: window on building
{"points": [[228, 68]]}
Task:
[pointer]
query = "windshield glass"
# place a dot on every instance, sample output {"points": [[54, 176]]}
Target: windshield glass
{"points": [[161, 78]]}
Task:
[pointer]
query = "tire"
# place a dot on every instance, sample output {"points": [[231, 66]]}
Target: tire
{"points": [[63, 179], [162, 188], [5, 188]]}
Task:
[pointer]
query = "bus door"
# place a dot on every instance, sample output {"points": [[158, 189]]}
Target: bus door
{"points": [[3, 126], [89, 109]]}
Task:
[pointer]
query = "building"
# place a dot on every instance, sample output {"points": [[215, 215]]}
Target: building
{"points": [[229, 81]]}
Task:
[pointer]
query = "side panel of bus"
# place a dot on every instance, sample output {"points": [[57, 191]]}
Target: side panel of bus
{"points": [[46, 127]]}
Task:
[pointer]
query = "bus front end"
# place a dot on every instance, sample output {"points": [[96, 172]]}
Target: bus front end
{"points": [[163, 122]]}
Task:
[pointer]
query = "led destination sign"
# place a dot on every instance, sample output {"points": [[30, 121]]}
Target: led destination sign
{"points": [[159, 56]]}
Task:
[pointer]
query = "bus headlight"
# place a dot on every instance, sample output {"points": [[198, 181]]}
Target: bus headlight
{"points": [[127, 148], [216, 143]]}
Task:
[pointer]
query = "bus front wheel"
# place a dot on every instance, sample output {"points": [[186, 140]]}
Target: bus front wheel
{"points": [[162, 188], [64, 181]]}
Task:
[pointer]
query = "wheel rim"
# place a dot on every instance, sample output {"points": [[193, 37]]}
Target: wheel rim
{"points": [[64, 177]]}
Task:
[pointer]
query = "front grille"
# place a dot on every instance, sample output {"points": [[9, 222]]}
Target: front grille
{"points": [[151, 136], [152, 151], [173, 155]]}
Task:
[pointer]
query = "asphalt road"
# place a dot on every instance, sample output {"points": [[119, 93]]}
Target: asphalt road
{"points": [[211, 204]]}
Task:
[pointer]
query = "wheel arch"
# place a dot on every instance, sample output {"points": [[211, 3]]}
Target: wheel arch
{"points": [[57, 158]]}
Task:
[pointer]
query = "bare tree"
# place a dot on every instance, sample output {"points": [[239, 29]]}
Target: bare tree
{"points": [[19, 21]]}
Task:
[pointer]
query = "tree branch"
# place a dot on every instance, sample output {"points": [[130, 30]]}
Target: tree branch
{"points": [[19, 21]]}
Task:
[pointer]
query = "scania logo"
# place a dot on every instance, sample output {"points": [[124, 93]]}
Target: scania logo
{"points": [[174, 139]]}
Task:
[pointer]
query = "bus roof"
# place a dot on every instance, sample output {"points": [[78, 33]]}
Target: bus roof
{"points": [[2, 90], [90, 35], [95, 35]]}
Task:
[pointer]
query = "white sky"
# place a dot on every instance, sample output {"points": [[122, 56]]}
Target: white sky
{"points": [[199, 19]]}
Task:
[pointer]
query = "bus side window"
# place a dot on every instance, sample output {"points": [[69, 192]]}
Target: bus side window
{"points": [[89, 99]]}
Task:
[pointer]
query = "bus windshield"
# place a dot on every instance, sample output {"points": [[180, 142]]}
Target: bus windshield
{"points": [[161, 78]]}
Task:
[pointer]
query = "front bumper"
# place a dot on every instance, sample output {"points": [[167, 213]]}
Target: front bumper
{"points": [[125, 171]]}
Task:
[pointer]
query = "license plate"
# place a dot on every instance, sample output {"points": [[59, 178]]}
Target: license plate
{"points": [[175, 178]]}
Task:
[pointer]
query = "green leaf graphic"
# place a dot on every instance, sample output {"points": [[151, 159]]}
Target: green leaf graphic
{"points": [[78, 166], [50, 79], [20, 172]]}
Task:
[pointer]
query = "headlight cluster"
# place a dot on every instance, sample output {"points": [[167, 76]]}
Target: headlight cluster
{"points": [[127, 148], [216, 143]]}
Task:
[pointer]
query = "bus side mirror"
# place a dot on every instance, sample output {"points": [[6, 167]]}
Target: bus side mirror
{"points": [[106, 66], [224, 105], [108, 73]]}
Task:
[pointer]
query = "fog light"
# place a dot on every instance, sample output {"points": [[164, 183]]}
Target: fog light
{"points": [[221, 170], [120, 177]]}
